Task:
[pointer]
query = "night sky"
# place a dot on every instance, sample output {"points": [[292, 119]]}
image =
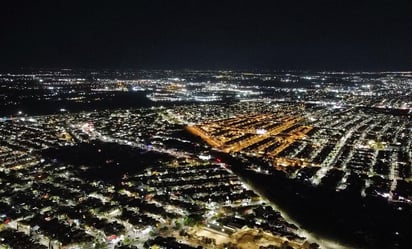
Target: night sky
{"points": [[154, 34]]}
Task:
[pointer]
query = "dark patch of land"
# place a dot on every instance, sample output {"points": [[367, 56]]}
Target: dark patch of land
{"points": [[106, 161]]}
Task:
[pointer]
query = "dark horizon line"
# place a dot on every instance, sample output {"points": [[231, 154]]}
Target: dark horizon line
{"points": [[194, 69]]}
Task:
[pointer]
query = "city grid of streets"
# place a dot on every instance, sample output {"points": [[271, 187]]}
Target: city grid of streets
{"points": [[135, 177]]}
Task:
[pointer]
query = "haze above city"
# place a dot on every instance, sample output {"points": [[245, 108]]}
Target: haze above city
{"points": [[182, 34]]}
